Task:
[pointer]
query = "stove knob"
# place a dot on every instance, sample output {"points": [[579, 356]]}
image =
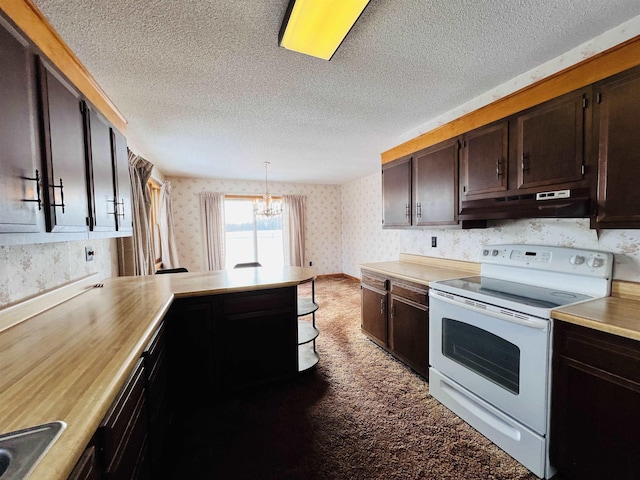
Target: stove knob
{"points": [[494, 253], [576, 260], [595, 262], [485, 252]]}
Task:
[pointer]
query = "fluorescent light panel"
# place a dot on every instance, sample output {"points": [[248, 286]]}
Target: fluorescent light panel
{"points": [[318, 27]]}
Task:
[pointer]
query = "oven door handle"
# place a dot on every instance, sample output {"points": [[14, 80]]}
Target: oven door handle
{"points": [[526, 322]]}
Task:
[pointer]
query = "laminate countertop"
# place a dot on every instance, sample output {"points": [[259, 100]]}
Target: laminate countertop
{"points": [[68, 363], [619, 315]]}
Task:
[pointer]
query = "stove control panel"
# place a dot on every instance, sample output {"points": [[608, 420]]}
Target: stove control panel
{"points": [[567, 260]]}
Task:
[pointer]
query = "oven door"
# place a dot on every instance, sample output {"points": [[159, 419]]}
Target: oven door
{"points": [[503, 360]]}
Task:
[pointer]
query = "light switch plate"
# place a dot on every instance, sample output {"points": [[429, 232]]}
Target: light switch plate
{"points": [[88, 254]]}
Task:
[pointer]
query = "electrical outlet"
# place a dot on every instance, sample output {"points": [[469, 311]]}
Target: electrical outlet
{"points": [[434, 241], [88, 254]]}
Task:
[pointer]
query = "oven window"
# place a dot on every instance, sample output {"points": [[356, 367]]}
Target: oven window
{"points": [[483, 352]]}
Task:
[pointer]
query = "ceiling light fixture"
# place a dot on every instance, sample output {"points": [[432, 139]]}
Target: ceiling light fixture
{"points": [[267, 207], [318, 27]]}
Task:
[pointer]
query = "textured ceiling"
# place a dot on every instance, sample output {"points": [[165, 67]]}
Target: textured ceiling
{"points": [[208, 92]]}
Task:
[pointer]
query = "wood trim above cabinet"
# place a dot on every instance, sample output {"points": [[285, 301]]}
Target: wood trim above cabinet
{"points": [[34, 25], [600, 66]]}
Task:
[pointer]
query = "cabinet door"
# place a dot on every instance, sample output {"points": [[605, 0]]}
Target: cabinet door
{"points": [[374, 314], [550, 142], [64, 152], [121, 158], [484, 165], [409, 333], [617, 120], [256, 337], [595, 425], [396, 193], [189, 326], [101, 180], [19, 189], [435, 185]]}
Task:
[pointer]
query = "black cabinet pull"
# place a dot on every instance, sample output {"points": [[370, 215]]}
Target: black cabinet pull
{"points": [[498, 167], [37, 199], [61, 204]]}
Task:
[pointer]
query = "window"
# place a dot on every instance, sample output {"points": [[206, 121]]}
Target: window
{"points": [[250, 238]]}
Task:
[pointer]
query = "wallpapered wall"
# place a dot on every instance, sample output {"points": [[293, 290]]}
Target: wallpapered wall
{"points": [[30, 269], [323, 229], [364, 240]]}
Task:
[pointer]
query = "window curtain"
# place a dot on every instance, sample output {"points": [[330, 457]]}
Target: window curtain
{"points": [[168, 245], [140, 172], [212, 214], [293, 218]]}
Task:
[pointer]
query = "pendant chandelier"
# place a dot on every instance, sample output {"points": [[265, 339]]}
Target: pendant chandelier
{"points": [[267, 207]]}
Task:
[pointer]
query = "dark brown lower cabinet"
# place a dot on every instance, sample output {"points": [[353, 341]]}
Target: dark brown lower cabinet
{"points": [[595, 425], [122, 435], [374, 307], [409, 325], [395, 315], [87, 467], [158, 405]]}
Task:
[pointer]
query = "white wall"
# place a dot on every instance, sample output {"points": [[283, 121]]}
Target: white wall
{"points": [[364, 240], [323, 229]]}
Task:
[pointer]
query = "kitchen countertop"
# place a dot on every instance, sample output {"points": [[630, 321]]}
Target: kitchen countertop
{"points": [[68, 363], [619, 315]]}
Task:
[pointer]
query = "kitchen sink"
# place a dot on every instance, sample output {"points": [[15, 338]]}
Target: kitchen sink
{"points": [[20, 451]]}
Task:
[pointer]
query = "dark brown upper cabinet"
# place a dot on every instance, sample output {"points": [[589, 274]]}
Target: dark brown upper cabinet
{"points": [[435, 185], [20, 177], [484, 160], [124, 222], [550, 141], [536, 163], [63, 151], [396, 193], [616, 120], [101, 176]]}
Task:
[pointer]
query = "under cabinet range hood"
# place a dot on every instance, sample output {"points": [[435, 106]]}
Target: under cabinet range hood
{"points": [[555, 204]]}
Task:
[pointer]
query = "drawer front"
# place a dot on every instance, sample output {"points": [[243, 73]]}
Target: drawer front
{"points": [[610, 354], [411, 291], [124, 421], [154, 350], [374, 281]]}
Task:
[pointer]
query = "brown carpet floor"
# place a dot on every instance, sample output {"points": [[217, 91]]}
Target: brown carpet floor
{"points": [[359, 414]]}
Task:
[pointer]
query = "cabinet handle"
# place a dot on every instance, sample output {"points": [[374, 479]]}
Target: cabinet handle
{"points": [[382, 306], [393, 311], [418, 210], [498, 167], [37, 199], [407, 210], [115, 206], [524, 158], [61, 204], [120, 212]]}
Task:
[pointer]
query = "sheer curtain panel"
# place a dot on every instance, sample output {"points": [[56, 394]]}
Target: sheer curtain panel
{"points": [[293, 208], [167, 229], [212, 213], [140, 172]]}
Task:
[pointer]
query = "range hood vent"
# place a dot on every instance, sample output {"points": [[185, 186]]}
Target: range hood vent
{"points": [[570, 204]]}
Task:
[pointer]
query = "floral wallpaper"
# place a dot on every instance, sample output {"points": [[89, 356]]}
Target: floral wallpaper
{"points": [[31, 269], [323, 228], [364, 240]]}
